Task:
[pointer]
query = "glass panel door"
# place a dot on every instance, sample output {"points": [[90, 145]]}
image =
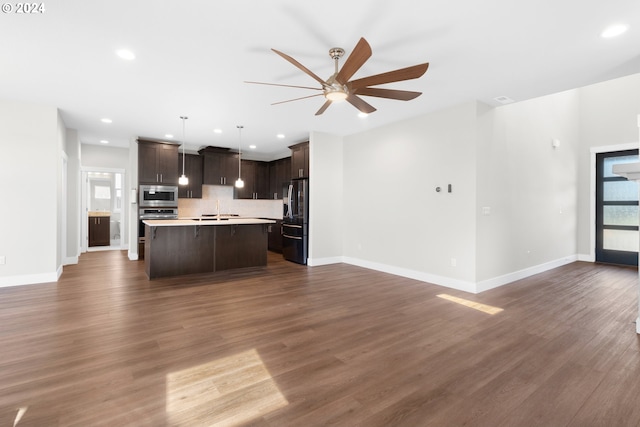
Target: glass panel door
{"points": [[617, 236]]}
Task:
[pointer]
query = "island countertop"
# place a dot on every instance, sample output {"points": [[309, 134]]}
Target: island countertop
{"points": [[206, 221]]}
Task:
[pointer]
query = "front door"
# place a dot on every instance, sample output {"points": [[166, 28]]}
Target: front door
{"points": [[617, 238]]}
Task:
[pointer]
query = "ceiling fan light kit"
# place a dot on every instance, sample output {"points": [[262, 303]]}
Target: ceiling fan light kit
{"points": [[336, 94], [338, 87]]}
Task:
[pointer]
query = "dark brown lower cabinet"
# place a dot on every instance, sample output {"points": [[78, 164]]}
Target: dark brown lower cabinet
{"points": [[173, 251], [275, 236], [99, 230], [239, 246], [188, 249]]}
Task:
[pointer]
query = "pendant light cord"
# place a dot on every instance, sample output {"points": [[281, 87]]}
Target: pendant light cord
{"points": [[240, 127], [184, 141]]}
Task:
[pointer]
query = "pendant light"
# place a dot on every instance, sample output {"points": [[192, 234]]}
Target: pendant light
{"points": [[183, 180], [239, 181]]}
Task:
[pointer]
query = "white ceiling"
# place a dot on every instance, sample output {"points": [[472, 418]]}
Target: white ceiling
{"points": [[192, 58]]}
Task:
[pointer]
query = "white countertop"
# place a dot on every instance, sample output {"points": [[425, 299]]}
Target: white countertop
{"points": [[198, 221]]}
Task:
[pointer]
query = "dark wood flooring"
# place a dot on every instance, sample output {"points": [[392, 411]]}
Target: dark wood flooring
{"points": [[288, 345]]}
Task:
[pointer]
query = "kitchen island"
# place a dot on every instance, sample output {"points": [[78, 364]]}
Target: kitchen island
{"points": [[204, 245]]}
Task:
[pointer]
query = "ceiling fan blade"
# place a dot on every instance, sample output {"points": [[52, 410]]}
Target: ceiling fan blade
{"points": [[407, 73], [296, 99], [323, 108], [302, 67], [276, 84], [360, 104], [356, 59], [402, 95]]}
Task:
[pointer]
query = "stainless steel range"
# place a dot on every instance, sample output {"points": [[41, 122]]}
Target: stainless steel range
{"points": [[158, 213]]}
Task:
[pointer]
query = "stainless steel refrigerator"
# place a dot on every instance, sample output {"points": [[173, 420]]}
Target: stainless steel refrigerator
{"points": [[295, 224]]}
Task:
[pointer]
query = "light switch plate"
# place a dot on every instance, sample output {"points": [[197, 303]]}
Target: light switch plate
{"points": [[3, 260]]}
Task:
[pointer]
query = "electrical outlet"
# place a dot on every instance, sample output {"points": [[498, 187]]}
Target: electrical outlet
{"points": [[3, 260], [454, 262]]}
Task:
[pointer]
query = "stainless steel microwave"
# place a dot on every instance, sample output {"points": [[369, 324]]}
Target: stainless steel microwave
{"points": [[151, 196]]}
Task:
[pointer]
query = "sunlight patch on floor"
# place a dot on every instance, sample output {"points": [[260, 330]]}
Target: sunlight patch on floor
{"points": [[19, 415], [471, 304], [225, 392]]}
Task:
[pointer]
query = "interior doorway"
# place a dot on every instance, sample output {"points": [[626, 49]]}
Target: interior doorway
{"points": [[103, 210], [617, 224]]}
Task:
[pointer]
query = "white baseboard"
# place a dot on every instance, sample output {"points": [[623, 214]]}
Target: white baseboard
{"points": [[586, 258], [314, 262], [132, 256], [30, 279], [70, 260], [495, 282], [448, 282]]}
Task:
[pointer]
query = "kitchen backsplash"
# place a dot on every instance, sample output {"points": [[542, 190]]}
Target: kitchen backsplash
{"points": [[228, 205]]}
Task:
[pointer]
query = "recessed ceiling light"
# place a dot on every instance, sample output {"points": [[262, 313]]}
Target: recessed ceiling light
{"points": [[104, 141], [105, 120], [614, 30], [362, 115], [252, 147], [280, 135], [126, 54], [217, 131], [168, 135]]}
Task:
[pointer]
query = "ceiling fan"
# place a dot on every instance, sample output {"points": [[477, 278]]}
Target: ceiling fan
{"points": [[338, 87]]}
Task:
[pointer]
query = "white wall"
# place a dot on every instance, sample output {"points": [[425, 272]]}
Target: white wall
{"points": [[61, 193], [394, 219], [102, 156], [72, 149], [30, 144], [529, 186], [326, 202]]}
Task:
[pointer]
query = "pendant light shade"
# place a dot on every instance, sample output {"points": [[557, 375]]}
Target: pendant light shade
{"points": [[183, 180], [239, 181]]}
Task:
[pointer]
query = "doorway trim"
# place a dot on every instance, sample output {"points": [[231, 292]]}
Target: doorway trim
{"points": [[592, 190], [84, 203]]}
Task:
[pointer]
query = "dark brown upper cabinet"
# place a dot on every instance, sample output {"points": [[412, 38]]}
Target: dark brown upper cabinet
{"points": [[193, 170], [300, 160], [157, 162], [220, 166]]}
